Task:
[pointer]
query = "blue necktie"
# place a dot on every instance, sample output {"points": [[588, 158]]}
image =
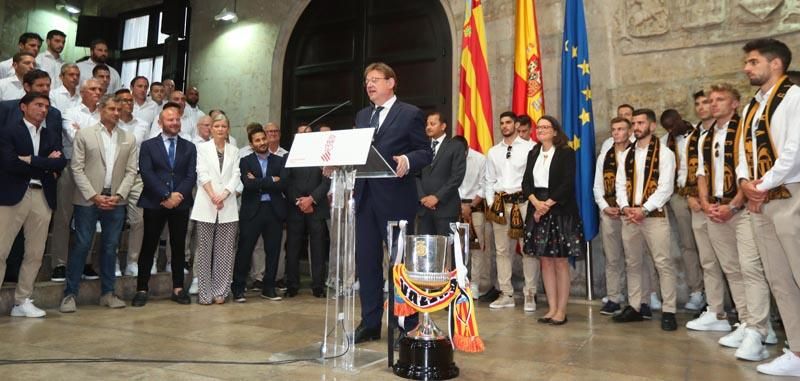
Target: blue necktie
{"points": [[374, 120], [171, 152]]}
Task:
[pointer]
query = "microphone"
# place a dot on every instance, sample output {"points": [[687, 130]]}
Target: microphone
{"points": [[340, 105]]}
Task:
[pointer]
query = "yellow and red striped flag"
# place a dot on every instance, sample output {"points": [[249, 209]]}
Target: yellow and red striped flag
{"points": [[474, 94], [528, 95]]}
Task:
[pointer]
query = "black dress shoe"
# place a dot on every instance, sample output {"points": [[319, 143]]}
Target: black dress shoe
{"points": [[140, 299], [280, 284], [668, 322], [646, 312], [364, 334], [291, 292], [628, 315], [318, 292], [270, 294], [558, 322], [544, 320], [489, 296], [239, 298], [181, 297]]}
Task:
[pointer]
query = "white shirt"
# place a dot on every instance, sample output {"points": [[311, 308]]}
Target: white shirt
{"points": [[385, 111], [682, 145], [11, 88], [599, 189], [136, 127], [473, 182], [193, 112], [188, 128], [718, 160], [36, 137], [80, 116], [438, 145], [7, 68], [785, 134], [86, 73], [109, 152], [147, 111], [60, 98], [505, 175], [666, 180], [52, 65], [541, 168]]}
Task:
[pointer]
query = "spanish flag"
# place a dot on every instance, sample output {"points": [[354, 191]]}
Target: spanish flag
{"points": [[528, 95], [474, 95]]}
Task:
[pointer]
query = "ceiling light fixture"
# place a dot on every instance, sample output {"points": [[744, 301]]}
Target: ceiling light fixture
{"points": [[226, 15], [69, 7]]}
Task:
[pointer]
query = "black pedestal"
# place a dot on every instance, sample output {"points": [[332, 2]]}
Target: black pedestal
{"points": [[426, 360]]}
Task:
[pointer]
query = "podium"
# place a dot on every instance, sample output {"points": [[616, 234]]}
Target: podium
{"points": [[351, 154]]}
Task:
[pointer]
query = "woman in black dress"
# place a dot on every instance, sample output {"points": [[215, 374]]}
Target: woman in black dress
{"points": [[553, 230]]}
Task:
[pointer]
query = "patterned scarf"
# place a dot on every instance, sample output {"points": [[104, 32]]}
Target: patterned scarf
{"points": [[650, 172], [690, 188], [729, 182], [610, 175]]}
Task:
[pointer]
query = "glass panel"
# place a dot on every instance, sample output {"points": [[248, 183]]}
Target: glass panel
{"points": [[158, 66], [128, 72], [145, 68], [135, 32], [161, 36]]}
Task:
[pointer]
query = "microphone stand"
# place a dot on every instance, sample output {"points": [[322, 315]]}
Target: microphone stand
{"points": [[340, 105]]}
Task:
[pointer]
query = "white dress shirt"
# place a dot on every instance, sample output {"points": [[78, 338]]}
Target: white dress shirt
{"points": [[86, 68], [472, 185], [438, 145], [147, 111], [598, 188], [52, 65], [785, 134], [109, 152], [193, 112], [541, 168], [682, 145], [505, 174], [80, 116], [385, 111], [666, 180], [11, 88], [60, 98], [7, 68], [36, 138], [718, 160], [136, 127]]}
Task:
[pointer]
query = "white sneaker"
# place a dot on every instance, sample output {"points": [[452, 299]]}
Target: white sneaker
{"points": [[193, 287], [503, 301], [27, 309], [530, 302], [696, 301], [154, 270], [734, 339], [708, 322], [786, 365], [605, 299], [772, 338], [132, 269], [751, 348], [655, 302], [117, 271], [475, 291], [168, 267]]}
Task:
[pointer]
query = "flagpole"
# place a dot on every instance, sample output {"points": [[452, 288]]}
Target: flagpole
{"points": [[589, 293]]}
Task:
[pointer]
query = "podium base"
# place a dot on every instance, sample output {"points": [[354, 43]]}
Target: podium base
{"points": [[426, 360]]}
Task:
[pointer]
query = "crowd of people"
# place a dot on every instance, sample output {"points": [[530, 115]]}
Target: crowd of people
{"points": [[79, 147]]}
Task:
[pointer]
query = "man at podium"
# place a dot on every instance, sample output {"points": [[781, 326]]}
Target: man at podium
{"points": [[400, 139]]}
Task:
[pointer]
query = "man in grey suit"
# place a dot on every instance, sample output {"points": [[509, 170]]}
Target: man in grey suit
{"points": [[437, 183]]}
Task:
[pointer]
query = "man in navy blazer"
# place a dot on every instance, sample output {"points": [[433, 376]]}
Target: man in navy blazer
{"points": [[167, 164], [401, 141], [262, 214], [30, 158]]}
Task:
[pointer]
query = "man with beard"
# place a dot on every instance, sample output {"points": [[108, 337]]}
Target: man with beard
{"points": [[143, 108], [11, 86], [28, 43], [99, 55], [51, 61], [191, 110]]}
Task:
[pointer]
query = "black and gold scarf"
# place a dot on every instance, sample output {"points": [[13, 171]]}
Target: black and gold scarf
{"points": [[690, 188], [763, 142], [729, 187], [651, 165], [610, 175]]}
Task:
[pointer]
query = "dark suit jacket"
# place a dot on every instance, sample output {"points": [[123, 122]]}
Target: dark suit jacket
{"points": [[442, 178], [10, 115], [561, 183], [157, 175], [254, 188], [402, 133], [15, 174], [301, 182]]}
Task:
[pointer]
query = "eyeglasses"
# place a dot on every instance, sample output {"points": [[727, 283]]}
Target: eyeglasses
{"points": [[508, 152], [373, 80]]}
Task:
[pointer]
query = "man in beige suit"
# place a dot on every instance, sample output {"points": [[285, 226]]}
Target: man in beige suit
{"points": [[104, 166]]}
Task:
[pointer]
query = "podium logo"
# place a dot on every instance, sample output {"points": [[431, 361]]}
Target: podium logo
{"points": [[326, 153]]}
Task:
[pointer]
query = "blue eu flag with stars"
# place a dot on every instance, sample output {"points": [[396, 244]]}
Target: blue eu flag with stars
{"points": [[576, 109]]}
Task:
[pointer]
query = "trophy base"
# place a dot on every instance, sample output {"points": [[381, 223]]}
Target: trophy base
{"points": [[426, 360]]}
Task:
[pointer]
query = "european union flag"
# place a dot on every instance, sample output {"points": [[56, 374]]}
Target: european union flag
{"points": [[576, 110]]}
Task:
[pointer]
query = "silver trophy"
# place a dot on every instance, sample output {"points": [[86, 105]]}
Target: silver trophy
{"points": [[426, 353]]}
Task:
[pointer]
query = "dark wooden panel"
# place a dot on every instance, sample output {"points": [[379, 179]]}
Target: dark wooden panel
{"points": [[329, 45]]}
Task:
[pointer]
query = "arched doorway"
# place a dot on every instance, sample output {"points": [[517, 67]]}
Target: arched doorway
{"points": [[333, 41]]}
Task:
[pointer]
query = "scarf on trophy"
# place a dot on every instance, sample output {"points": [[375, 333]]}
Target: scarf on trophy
{"points": [[496, 213], [610, 176], [729, 181], [455, 295], [690, 188], [650, 173], [763, 142]]}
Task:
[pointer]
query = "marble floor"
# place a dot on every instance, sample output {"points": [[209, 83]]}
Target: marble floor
{"points": [[589, 347]]}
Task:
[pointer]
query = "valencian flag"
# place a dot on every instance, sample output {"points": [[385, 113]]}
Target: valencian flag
{"points": [[528, 95], [576, 110], [474, 96]]}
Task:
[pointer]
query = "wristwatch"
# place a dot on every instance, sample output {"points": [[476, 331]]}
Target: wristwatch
{"points": [[645, 212], [735, 209]]}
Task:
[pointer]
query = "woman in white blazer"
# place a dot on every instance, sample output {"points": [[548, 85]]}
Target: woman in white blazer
{"points": [[216, 212]]}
